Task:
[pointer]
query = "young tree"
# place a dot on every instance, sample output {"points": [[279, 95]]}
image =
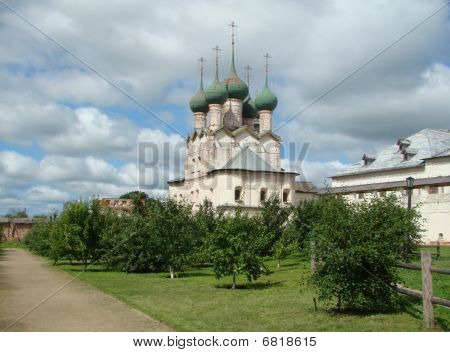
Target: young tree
{"points": [[235, 247]]}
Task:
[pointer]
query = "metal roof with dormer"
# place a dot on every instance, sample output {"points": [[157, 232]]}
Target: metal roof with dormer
{"points": [[406, 153]]}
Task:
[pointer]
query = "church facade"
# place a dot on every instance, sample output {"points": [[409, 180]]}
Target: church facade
{"points": [[232, 156]]}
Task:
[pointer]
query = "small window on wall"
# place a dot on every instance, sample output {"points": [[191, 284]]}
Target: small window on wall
{"points": [[256, 127], [382, 193], [263, 195], [433, 190], [285, 196], [361, 195], [237, 194]]}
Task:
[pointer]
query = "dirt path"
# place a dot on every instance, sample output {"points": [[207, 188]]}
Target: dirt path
{"points": [[25, 280]]}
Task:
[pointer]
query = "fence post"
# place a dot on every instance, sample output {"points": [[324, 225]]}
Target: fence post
{"points": [[427, 290], [438, 250], [313, 257]]}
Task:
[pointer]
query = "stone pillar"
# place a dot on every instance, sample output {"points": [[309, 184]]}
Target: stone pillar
{"points": [[199, 119], [232, 112], [215, 116], [265, 118]]}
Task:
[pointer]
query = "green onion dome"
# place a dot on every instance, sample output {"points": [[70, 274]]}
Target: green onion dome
{"points": [[249, 109], [216, 93], [198, 102], [236, 87], [266, 100]]}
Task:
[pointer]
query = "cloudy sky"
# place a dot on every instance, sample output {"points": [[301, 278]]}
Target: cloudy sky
{"points": [[65, 133]]}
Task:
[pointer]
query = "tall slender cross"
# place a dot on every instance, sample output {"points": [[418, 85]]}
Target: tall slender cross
{"points": [[233, 31], [267, 57], [202, 68], [217, 49], [248, 69]]}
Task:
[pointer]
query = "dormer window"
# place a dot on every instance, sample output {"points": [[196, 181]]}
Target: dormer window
{"points": [[368, 159], [403, 144]]}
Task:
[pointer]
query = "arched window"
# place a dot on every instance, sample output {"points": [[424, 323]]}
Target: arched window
{"points": [[238, 194], [286, 195], [263, 195]]}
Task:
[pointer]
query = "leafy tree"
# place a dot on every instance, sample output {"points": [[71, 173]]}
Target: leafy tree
{"points": [[173, 226], [356, 247], [305, 216], [235, 247], [77, 231], [274, 220], [130, 244], [205, 221], [161, 237]]}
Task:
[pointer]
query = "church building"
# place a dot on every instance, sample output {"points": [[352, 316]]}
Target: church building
{"points": [[232, 156]]}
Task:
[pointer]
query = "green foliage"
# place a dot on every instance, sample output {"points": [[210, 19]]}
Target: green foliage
{"points": [[305, 216], [134, 194], [356, 247], [38, 238], [235, 247], [205, 222], [274, 220], [76, 233], [161, 237]]}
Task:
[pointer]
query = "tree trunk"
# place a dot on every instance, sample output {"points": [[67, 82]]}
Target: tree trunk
{"points": [[234, 282], [85, 262], [278, 265], [171, 272]]}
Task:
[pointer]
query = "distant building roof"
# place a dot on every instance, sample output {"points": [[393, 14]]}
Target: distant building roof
{"points": [[407, 152]]}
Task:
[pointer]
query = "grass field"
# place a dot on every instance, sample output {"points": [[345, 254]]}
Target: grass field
{"points": [[278, 302]]}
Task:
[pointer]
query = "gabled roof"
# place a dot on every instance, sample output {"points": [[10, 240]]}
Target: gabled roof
{"points": [[250, 131], [248, 160], [425, 144]]}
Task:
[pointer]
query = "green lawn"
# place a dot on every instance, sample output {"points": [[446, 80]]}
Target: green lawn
{"points": [[278, 302], [12, 244]]}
